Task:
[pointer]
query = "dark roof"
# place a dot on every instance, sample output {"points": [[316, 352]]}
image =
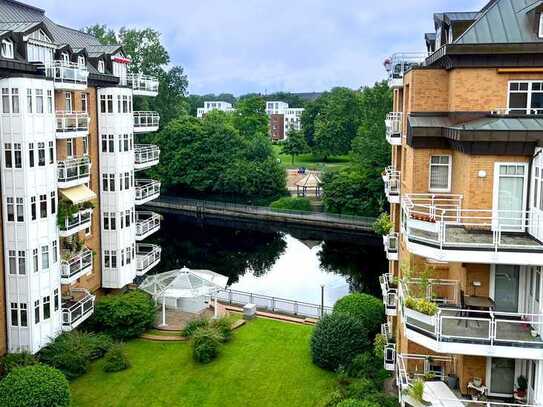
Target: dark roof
{"points": [[503, 124], [14, 11], [98, 50], [65, 35]]}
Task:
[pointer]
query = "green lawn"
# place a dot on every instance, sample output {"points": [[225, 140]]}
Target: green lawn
{"points": [[267, 364], [309, 161]]}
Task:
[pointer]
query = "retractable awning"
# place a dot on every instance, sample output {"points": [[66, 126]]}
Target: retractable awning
{"points": [[78, 194]]}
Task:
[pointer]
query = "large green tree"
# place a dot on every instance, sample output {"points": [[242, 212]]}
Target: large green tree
{"points": [[148, 54], [105, 35], [295, 144], [250, 117]]}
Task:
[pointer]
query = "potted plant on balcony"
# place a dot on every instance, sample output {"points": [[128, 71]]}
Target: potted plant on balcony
{"points": [[522, 387], [383, 225], [65, 211]]}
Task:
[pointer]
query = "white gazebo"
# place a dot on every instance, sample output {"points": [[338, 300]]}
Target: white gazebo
{"points": [[184, 289]]}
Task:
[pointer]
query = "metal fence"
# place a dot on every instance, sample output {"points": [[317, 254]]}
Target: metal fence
{"points": [[272, 304]]}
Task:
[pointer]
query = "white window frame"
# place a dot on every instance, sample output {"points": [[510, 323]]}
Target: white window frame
{"points": [[449, 177], [101, 66], [65, 57], [540, 30], [529, 92], [8, 51], [81, 61]]}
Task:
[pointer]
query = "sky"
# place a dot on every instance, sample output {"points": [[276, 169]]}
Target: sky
{"points": [[242, 46]]}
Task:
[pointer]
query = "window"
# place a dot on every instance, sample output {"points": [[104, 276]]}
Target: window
{"points": [[18, 157], [56, 298], [540, 30], [46, 307], [127, 218], [5, 100], [126, 144], [126, 180], [526, 97], [41, 154], [51, 152], [68, 101], [10, 209], [12, 260], [20, 209], [84, 102], [14, 314], [65, 57], [440, 173], [119, 109], [8, 160], [111, 141], [105, 182], [53, 202], [36, 311], [86, 145], [101, 66], [14, 100], [22, 262], [24, 314], [29, 100], [44, 257], [81, 61], [7, 48], [39, 100], [102, 103], [31, 154], [43, 206], [49, 101], [69, 147], [35, 260], [54, 251], [33, 207], [110, 103], [125, 104], [112, 182]]}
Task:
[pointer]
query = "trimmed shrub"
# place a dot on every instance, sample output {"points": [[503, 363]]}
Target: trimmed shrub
{"points": [[223, 326], [34, 386], [116, 359], [359, 389], [99, 345], [383, 225], [193, 325], [337, 339], [205, 345], [368, 365], [15, 360], [125, 316], [292, 204], [364, 307]]}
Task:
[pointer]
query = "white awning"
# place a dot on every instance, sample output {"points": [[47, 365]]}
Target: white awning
{"points": [[78, 194]]}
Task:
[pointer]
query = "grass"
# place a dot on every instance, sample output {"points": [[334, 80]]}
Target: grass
{"points": [[309, 161], [267, 363]]}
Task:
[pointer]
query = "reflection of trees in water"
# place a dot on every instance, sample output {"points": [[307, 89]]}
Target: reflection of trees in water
{"points": [[224, 250], [360, 265]]}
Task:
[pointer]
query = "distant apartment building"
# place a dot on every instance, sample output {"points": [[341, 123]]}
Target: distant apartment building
{"points": [[283, 119], [217, 105], [69, 160], [464, 291]]}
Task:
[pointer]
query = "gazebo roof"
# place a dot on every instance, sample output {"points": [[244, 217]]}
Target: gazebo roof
{"points": [[311, 180], [183, 283]]}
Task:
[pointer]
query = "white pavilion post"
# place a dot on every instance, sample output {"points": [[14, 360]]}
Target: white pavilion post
{"points": [[216, 310], [163, 310]]}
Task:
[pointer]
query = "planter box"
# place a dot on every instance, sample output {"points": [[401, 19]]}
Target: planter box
{"points": [[419, 316]]}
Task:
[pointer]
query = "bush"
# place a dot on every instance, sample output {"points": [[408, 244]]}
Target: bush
{"points": [[383, 225], [421, 305], [382, 400], [334, 399], [193, 325], [99, 345], [364, 307], [223, 326], [116, 359], [357, 403], [15, 360], [34, 386], [126, 315], [337, 339], [292, 204], [205, 345], [360, 388], [379, 344], [416, 390]]}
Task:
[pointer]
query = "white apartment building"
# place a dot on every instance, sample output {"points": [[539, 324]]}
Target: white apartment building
{"points": [[283, 119], [217, 105]]}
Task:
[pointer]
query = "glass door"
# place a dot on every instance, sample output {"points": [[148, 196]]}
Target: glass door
{"points": [[502, 377], [536, 198], [506, 287], [509, 196]]}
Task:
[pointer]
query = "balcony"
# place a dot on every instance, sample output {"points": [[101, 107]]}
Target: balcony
{"points": [[393, 124], [391, 178], [146, 190], [73, 172], [67, 75], [436, 226], [147, 223], [390, 295], [145, 122], [146, 156], [142, 85], [504, 111], [76, 308], [72, 124], [147, 257], [76, 223], [391, 244], [455, 329], [75, 265], [398, 64]]}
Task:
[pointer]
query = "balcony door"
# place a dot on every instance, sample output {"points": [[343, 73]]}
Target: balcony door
{"points": [[510, 186], [501, 374], [506, 280], [536, 197]]}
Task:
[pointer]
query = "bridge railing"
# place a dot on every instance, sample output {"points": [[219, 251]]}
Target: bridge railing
{"points": [[272, 304], [202, 205]]}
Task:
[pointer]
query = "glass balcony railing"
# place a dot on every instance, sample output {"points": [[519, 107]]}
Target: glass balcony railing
{"points": [[391, 244], [392, 180], [146, 190], [70, 124], [399, 63], [146, 121], [67, 75], [390, 294], [143, 85], [146, 224], [74, 265], [76, 308], [73, 171], [393, 124], [147, 257], [73, 224], [146, 155]]}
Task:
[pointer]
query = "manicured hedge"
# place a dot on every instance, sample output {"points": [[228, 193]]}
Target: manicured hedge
{"points": [[116, 359], [365, 307], [293, 204], [15, 360]]}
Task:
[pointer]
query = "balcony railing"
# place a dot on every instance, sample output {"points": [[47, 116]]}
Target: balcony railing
{"points": [[146, 190], [73, 171], [399, 63], [146, 121], [73, 224], [146, 155], [505, 111], [67, 75], [391, 178], [393, 124], [390, 295], [146, 224], [143, 85], [76, 308], [440, 223], [391, 244], [75, 266], [72, 124], [147, 257]]}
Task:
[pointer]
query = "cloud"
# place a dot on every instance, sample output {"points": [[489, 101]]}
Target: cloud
{"points": [[242, 46]]}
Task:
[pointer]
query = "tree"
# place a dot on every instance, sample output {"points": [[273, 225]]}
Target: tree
{"points": [[295, 144], [105, 35], [250, 117], [364, 307], [309, 115], [171, 102], [147, 53]]}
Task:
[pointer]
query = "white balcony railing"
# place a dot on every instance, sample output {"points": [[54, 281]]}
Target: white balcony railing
{"points": [[393, 124], [73, 171], [146, 155], [146, 224], [390, 295], [67, 75], [399, 63], [505, 111], [73, 224], [143, 85], [146, 121], [76, 308], [72, 124], [147, 257], [146, 190], [391, 244], [75, 266], [391, 178]]}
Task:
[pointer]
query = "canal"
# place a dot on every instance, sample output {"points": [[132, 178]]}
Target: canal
{"points": [[284, 263]]}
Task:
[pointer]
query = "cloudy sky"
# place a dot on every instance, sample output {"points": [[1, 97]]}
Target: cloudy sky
{"points": [[241, 46]]}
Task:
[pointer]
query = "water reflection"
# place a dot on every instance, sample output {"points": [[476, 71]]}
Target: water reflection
{"points": [[272, 263]]}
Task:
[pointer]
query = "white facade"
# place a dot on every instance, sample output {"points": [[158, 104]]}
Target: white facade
{"points": [[218, 105], [292, 117]]}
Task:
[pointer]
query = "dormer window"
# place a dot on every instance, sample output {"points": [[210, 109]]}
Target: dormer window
{"points": [[540, 30], [7, 49], [81, 61], [64, 57], [101, 66]]}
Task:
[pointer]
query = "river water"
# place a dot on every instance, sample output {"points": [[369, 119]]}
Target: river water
{"points": [[282, 263]]}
